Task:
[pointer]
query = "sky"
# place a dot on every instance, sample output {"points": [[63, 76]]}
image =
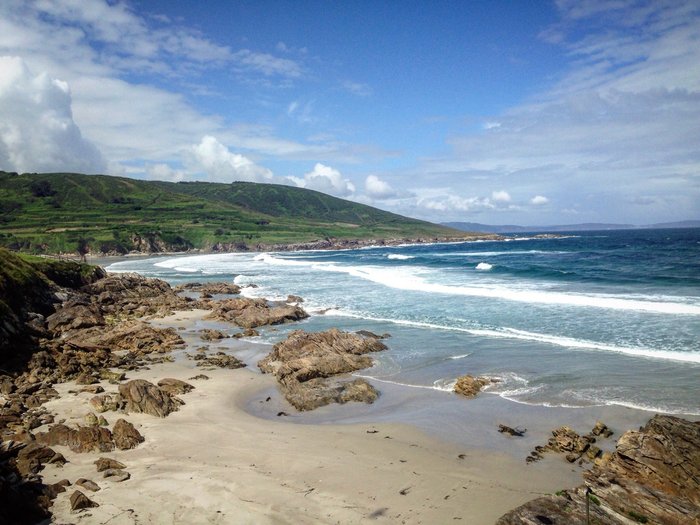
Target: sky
{"points": [[499, 112]]}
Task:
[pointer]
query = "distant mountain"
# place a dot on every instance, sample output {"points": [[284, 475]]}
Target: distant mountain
{"points": [[587, 226]]}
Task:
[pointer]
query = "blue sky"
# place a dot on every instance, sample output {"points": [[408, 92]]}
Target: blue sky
{"points": [[485, 111]]}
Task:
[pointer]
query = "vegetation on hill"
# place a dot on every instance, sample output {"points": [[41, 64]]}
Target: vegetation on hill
{"points": [[69, 212]]}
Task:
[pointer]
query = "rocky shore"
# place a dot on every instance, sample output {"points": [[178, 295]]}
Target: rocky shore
{"points": [[96, 410]]}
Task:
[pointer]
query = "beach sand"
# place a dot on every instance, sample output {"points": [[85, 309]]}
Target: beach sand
{"points": [[214, 461]]}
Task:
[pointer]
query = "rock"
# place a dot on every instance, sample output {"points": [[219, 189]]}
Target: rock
{"points": [[652, 477], [88, 484], [252, 313], [91, 420], [199, 376], [112, 377], [106, 402], [82, 439], [518, 432], [134, 336], [209, 289], [79, 501], [85, 378], [304, 362], [470, 386], [140, 395], [601, 429], [75, 317], [103, 464], [248, 332], [208, 334], [294, 299], [125, 435], [93, 389], [32, 458], [367, 333], [219, 360], [116, 475], [174, 386]]}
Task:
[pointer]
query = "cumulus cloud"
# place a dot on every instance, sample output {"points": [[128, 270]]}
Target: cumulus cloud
{"points": [[162, 171], [326, 180], [539, 200], [37, 130], [501, 196], [222, 165], [376, 188]]}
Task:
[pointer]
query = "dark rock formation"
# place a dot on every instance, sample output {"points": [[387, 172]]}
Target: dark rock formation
{"points": [[143, 396], [125, 435], [82, 439], [304, 362], [652, 477], [575, 447], [209, 289], [88, 484], [470, 386], [252, 313]]}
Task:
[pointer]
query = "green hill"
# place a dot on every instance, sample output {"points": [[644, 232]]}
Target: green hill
{"points": [[66, 212]]}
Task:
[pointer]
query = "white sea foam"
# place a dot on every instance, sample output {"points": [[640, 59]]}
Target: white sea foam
{"points": [[512, 333], [399, 257], [484, 267], [412, 279], [462, 356], [440, 385]]}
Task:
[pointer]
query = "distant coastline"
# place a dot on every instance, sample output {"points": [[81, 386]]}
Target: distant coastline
{"points": [[587, 226]]}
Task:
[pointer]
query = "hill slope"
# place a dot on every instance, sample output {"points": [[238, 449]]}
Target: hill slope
{"points": [[65, 212]]}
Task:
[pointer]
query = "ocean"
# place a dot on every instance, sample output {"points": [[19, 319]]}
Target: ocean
{"points": [[587, 319]]}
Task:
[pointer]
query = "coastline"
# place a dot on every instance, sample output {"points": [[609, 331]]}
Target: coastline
{"points": [[214, 461], [226, 454]]}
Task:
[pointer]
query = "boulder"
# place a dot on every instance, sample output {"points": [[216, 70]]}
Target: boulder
{"points": [[252, 313], [32, 458], [174, 386], [125, 435], [79, 501], [652, 477], [133, 336], [105, 402], [88, 484], [103, 464], [117, 475], [82, 439], [304, 362], [470, 386], [142, 396]]}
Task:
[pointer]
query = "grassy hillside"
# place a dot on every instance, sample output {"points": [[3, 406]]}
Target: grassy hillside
{"points": [[65, 212]]}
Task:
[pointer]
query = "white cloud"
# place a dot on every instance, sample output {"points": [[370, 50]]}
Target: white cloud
{"points": [[454, 203], [500, 196], [539, 200], [37, 130], [377, 188], [164, 172], [221, 165], [267, 64], [327, 180]]}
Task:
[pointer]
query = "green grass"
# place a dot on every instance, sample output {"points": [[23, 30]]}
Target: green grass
{"points": [[54, 212]]}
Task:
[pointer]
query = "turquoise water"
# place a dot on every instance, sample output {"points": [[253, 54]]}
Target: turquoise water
{"points": [[589, 319]]}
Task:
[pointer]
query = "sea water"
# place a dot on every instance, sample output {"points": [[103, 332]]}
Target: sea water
{"points": [[580, 320]]}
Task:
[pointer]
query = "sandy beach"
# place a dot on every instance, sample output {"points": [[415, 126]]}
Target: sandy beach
{"points": [[215, 462]]}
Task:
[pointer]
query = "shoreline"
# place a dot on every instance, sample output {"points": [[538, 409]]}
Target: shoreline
{"points": [[215, 461]]}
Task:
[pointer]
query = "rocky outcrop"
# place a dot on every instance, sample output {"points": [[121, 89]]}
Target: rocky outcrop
{"points": [[207, 334], [470, 386], [575, 447], [142, 396], [136, 337], [252, 313], [652, 477], [207, 290], [305, 365], [81, 439], [79, 501], [218, 360]]}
